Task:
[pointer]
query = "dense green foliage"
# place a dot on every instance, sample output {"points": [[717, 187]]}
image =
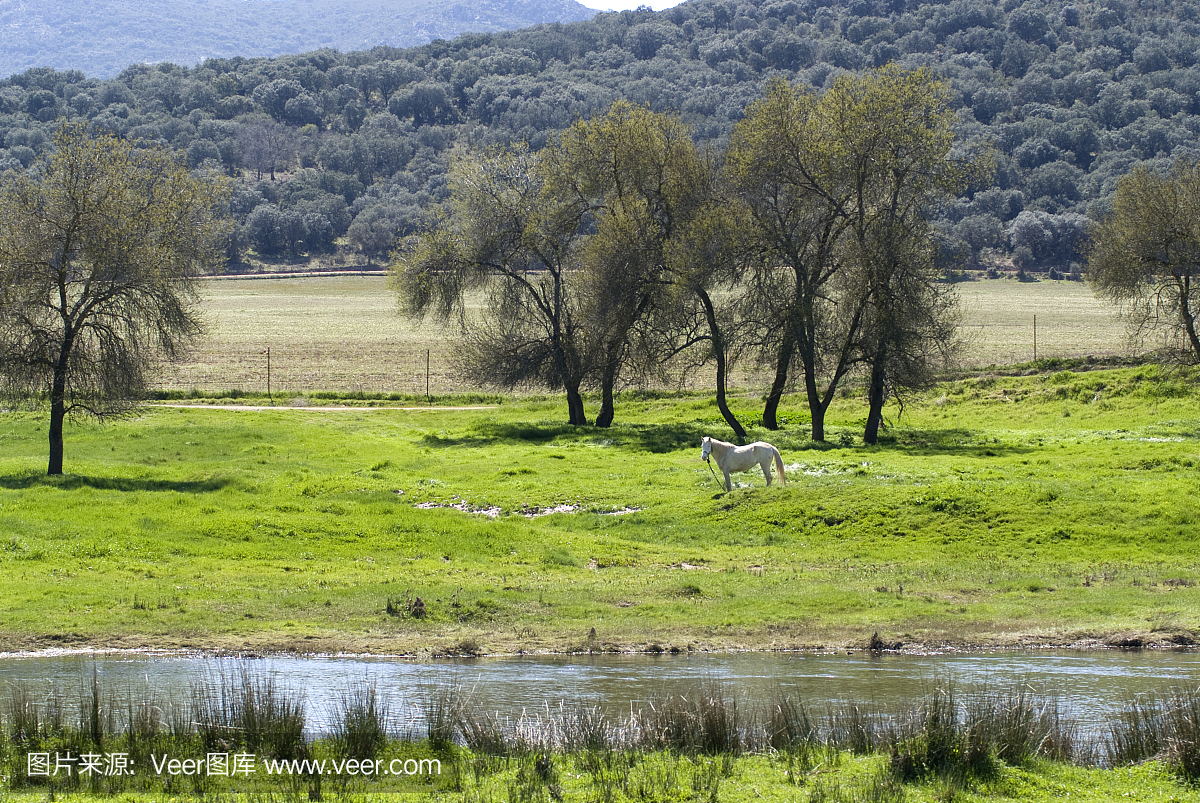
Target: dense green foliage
{"points": [[1071, 96], [103, 37]]}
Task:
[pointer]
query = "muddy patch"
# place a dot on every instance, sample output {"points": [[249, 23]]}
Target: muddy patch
{"points": [[490, 512], [527, 511]]}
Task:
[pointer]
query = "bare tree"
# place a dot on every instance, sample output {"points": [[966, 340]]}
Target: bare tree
{"points": [[1145, 256], [100, 249], [504, 235], [267, 146]]}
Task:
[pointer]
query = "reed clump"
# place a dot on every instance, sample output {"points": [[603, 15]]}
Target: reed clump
{"points": [[707, 720], [360, 722], [1164, 726], [251, 713]]}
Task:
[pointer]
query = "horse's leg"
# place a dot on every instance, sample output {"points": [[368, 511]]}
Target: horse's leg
{"points": [[765, 465], [728, 482]]}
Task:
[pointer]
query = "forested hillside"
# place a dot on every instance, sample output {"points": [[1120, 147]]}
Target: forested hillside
{"points": [[103, 37], [347, 149]]}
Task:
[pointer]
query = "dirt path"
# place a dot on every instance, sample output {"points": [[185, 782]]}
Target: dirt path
{"points": [[321, 409]]}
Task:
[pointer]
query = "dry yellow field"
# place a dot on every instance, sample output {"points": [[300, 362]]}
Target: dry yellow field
{"points": [[345, 333], [998, 322], [324, 333]]}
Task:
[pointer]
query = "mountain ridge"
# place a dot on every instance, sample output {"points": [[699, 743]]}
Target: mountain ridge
{"points": [[1070, 99], [103, 37]]}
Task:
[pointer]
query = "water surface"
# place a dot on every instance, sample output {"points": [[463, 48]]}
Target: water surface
{"points": [[1091, 686]]}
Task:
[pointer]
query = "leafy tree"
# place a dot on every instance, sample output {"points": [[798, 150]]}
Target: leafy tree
{"points": [[504, 234], [99, 253], [376, 228], [427, 103], [896, 131], [839, 187], [780, 163], [648, 192], [977, 233], [1145, 255], [1107, 85]]}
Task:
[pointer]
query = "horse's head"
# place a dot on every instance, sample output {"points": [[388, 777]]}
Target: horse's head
{"points": [[705, 448]]}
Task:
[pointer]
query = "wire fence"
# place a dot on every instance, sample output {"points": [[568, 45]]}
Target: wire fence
{"points": [[397, 368], [308, 368], [342, 334], [381, 369]]}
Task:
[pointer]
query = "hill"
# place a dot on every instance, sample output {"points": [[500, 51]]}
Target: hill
{"points": [[102, 37], [346, 150]]}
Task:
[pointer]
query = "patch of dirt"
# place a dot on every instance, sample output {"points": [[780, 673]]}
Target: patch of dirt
{"points": [[530, 512], [329, 408], [462, 641]]}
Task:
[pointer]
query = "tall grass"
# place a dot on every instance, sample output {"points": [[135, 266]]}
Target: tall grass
{"points": [[936, 740], [1017, 725], [790, 723], [360, 722], [1164, 726], [586, 728], [443, 707], [30, 720], [964, 737], [671, 744], [248, 712], [855, 727], [706, 720], [487, 732]]}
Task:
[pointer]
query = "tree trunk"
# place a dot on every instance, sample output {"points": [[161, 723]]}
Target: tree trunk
{"points": [[58, 412], [781, 372], [816, 408], [876, 395], [718, 345], [607, 406], [575, 412], [1189, 321]]}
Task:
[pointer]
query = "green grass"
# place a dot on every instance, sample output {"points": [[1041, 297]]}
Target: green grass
{"points": [[1056, 508], [747, 779]]}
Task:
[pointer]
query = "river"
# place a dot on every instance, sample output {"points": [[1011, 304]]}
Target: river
{"points": [[1090, 686]]}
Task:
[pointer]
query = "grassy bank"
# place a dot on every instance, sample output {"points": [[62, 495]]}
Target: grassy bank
{"points": [[1056, 508], [242, 735]]}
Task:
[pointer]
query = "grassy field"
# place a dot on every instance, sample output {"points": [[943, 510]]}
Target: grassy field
{"points": [[1058, 508], [345, 334], [998, 322], [1041, 506]]}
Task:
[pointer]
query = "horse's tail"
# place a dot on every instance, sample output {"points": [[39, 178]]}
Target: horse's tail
{"points": [[779, 467]]}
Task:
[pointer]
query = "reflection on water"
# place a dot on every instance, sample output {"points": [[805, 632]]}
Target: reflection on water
{"points": [[1090, 686]]}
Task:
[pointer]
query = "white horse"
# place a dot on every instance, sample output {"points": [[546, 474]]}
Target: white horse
{"points": [[732, 458]]}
